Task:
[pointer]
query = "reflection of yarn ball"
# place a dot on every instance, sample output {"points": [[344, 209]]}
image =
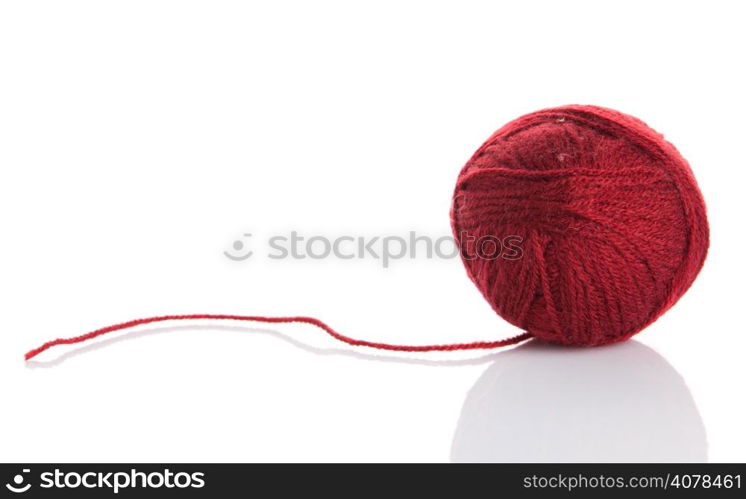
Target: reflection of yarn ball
{"points": [[611, 224], [620, 403]]}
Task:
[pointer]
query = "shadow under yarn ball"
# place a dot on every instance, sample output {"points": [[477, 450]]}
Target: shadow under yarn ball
{"points": [[618, 403], [612, 224]]}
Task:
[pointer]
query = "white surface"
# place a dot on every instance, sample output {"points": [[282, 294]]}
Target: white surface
{"points": [[139, 139]]}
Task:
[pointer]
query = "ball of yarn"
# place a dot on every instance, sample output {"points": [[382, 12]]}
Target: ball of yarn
{"points": [[604, 221]]}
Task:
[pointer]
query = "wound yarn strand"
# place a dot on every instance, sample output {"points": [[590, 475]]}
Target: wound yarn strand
{"points": [[611, 220]]}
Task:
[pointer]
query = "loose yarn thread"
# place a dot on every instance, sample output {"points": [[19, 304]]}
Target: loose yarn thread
{"points": [[476, 345]]}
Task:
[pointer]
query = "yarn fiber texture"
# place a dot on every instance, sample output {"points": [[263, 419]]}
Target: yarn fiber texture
{"points": [[612, 225]]}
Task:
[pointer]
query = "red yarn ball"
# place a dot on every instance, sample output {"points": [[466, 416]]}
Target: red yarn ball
{"points": [[608, 217]]}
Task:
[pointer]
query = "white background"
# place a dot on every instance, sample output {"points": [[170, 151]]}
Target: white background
{"points": [[138, 140]]}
